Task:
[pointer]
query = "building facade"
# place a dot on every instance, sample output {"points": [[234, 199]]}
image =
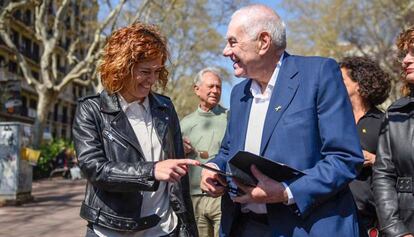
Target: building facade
{"points": [[18, 100]]}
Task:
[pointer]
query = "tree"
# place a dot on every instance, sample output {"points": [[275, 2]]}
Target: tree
{"points": [[48, 29], [338, 28], [190, 27]]}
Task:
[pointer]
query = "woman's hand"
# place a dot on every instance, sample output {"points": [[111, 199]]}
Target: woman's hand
{"points": [[172, 170], [369, 158]]}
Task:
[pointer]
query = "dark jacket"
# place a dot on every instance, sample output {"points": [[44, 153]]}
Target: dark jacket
{"points": [[368, 128], [112, 160], [393, 170]]}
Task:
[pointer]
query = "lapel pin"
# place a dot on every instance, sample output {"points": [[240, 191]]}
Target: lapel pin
{"points": [[278, 108]]}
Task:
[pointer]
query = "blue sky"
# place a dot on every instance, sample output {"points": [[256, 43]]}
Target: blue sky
{"points": [[226, 87]]}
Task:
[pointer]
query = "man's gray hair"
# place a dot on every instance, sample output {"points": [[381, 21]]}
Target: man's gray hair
{"points": [[199, 77], [258, 18]]}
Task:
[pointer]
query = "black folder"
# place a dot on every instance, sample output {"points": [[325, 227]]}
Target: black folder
{"points": [[240, 165]]}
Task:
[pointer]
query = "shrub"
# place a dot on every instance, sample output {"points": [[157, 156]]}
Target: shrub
{"points": [[49, 151]]}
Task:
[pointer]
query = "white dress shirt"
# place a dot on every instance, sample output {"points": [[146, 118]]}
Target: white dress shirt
{"points": [[139, 116], [255, 126]]}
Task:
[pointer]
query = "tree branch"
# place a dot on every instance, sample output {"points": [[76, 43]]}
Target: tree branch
{"points": [[83, 66], [54, 65], [144, 6], [114, 13], [82, 82], [5, 16], [92, 54], [58, 19], [71, 52], [70, 77], [40, 19]]}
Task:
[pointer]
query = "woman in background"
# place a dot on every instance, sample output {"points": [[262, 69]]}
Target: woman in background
{"points": [[368, 86], [393, 170]]}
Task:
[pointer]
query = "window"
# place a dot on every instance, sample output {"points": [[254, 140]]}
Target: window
{"points": [[63, 61], [55, 112], [63, 135], [26, 46], [2, 62], [17, 14], [32, 103], [27, 17], [12, 67], [15, 37], [49, 32], [51, 8], [35, 75], [31, 112], [61, 64], [76, 9], [73, 114], [67, 43], [74, 90], [58, 61], [67, 22], [54, 132], [64, 114], [24, 110], [35, 52]]}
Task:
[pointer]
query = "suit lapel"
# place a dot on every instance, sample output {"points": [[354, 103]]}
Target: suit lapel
{"points": [[241, 115], [286, 85]]}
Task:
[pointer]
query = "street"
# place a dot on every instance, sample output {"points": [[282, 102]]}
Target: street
{"points": [[54, 211]]}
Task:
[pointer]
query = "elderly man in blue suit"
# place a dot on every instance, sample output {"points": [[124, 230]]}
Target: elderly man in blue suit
{"points": [[294, 110]]}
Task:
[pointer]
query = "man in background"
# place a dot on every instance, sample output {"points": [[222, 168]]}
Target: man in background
{"points": [[202, 132]]}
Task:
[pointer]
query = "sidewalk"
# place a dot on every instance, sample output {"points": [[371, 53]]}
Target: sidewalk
{"points": [[54, 212]]}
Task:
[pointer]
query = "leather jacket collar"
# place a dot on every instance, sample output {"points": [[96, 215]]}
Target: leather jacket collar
{"points": [[401, 103], [110, 102]]}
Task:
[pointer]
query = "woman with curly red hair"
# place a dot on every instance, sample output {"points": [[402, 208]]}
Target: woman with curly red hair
{"points": [[129, 145], [393, 171]]}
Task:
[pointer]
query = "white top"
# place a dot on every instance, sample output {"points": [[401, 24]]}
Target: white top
{"points": [[139, 116], [255, 126]]}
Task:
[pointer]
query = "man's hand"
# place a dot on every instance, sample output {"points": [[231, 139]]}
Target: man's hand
{"points": [[266, 191], [212, 183], [369, 158], [172, 170], [188, 148]]}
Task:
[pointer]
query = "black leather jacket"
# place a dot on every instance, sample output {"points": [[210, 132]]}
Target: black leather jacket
{"points": [[112, 160], [394, 168]]}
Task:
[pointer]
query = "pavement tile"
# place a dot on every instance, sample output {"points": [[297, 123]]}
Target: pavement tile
{"points": [[53, 213]]}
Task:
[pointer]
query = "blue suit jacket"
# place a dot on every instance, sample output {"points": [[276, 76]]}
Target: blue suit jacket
{"points": [[314, 131]]}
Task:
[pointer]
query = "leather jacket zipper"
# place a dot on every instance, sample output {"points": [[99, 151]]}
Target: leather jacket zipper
{"points": [[120, 177], [113, 139]]}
